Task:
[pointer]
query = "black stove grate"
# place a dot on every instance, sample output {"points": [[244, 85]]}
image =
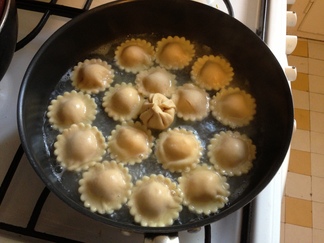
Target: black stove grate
{"points": [[52, 8]]}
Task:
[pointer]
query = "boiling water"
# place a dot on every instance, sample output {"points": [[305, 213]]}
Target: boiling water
{"points": [[204, 130]]}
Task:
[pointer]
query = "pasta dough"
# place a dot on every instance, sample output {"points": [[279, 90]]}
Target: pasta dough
{"points": [[71, 108], [156, 80], [192, 102], [174, 52], [134, 55], [212, 72], [178, 150], [92, 76], [122, 102], [157, 112], [130, 143], [105, 187], [231, 153], [233, 107], [155, 201], [79, 147], [204, 190]]}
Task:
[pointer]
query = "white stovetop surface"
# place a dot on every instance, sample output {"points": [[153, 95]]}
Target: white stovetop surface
{"points": [[17, 207]]}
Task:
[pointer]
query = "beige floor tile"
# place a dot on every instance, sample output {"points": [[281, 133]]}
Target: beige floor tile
{"points": [[315, 67], [316, 84], [301, 82], [301, 140], [318, 215], [300, 62], [318, 236], [299, 186], [316, 121], [301, 99], [298, 234], [316, 49], [317, 142], [300, 162], [316, 102], [301, 48], [318, 189], [317, 164], [299, 212], [302, 118]]}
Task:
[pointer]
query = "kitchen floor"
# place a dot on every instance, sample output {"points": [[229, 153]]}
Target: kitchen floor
{"points": [[303, 203]]}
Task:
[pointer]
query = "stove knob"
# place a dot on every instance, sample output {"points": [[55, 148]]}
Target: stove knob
{"points": [[291, 43], [291, 18], [291, 73]]}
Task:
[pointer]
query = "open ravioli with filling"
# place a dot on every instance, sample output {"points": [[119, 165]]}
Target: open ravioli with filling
{"points": [[156, 80], [174, 52], [79, 147], [155, 201], [130, 143], [122, 102], [233, 107], [105, 187], [92, 76], [178, 150], [192, 102], [71, 108], [212, 72], [134, 55], [205, 191], [231, 153]]}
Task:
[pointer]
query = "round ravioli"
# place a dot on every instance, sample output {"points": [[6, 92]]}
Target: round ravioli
{"points": [[178, 150], [130, 143], [79, 147], [192, 102], [156, 80], [134, 55], [212, 72], [157, 112], [231, 153], [155, 201], [71, 108], [92, 76], [204, 190], [174, 52], [122, 102], [105, 187], [233, 107]]}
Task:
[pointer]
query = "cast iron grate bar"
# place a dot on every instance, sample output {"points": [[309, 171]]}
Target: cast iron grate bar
{"points": [[31, 233], [38, 209], [10, 173], [53, 8], [48, 9]]}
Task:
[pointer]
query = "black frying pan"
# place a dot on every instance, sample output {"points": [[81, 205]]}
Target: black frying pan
{"points": [[256, 69]]}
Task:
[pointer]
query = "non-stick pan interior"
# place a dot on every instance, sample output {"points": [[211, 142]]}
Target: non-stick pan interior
{"points": [[255, 69]]}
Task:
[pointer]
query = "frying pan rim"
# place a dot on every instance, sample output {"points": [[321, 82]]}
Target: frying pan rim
{"points": [[122, 226], [5, 13]]}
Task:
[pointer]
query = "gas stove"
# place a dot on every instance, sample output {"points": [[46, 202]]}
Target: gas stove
{"points": [[29, 212]]}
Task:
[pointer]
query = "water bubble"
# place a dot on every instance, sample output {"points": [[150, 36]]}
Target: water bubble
{"points": [[58, 169]]}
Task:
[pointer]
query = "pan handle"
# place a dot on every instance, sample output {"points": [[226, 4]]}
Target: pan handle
{"points": [[154, 238]]}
